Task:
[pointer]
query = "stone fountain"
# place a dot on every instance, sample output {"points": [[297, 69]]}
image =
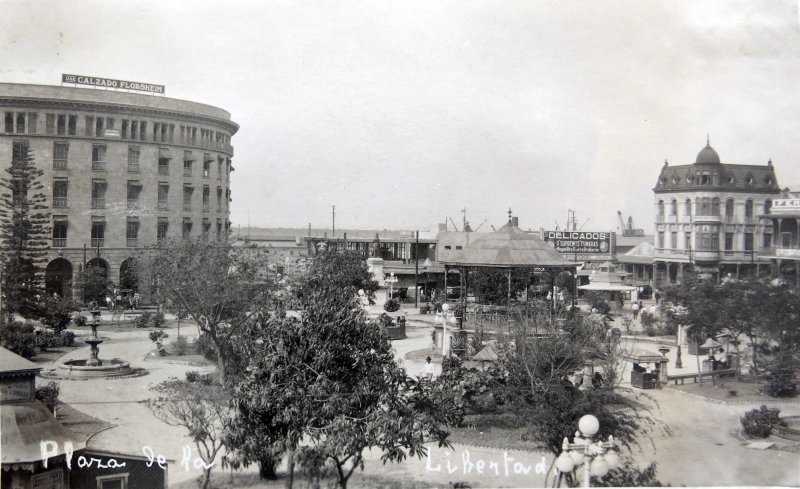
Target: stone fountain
{"points": [[94, 367]]}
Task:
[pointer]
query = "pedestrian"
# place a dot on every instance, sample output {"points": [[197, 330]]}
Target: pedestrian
{"points": [[426, 374], [657, 296], [109, 306], [136, 300], [635, 309]]}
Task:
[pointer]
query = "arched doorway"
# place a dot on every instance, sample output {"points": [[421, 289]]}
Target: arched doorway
{"points": [[58, 278], [129, 275], [95, 281]]}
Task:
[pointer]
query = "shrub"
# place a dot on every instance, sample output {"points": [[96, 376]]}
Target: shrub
{"points": [[143, 320], [80, 320], [19, 338], [48, 394], [158, 320], [179, 346], [193, 376], [597, 301], [392, 305], [204, 346], [157, 336], [67, 338], [758, 422], [56, 312], [47, 339], [780, 376], [629, 476]]}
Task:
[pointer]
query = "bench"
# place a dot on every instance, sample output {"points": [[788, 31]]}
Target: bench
{"points": [[786, 432], [695, 376]]}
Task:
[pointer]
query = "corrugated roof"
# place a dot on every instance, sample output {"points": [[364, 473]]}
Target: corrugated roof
{"points": [[11, 362], [25, 426], [509, 247]]}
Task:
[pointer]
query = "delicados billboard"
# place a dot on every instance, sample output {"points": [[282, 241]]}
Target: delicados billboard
{"points": [[579, 241], [112, 83]]}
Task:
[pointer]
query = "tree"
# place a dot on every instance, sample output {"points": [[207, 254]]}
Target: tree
{"points": [[199, 405], [24, 233], [540, 355], [222, 287], [491, 284], [329, 377], [95, 284]]}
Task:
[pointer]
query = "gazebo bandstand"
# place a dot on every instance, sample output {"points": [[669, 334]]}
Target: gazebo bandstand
{"points": [[507, 248]]}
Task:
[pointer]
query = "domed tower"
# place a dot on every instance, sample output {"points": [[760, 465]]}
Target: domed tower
{"points": [[707, 214]]}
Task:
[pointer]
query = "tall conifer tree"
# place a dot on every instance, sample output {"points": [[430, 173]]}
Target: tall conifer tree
{"points": [[24, 232]]}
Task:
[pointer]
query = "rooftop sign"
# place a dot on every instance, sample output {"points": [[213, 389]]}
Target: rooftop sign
{"points": [[579, 241], [112, 83], [785, 205]]}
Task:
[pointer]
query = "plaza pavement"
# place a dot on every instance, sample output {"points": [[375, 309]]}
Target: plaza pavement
{"points": [[702, 449]]}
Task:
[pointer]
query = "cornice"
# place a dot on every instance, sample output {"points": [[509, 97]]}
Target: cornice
{"points": [[117, 109]]}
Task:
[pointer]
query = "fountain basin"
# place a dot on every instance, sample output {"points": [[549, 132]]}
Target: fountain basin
{"points": [[81, 369]]}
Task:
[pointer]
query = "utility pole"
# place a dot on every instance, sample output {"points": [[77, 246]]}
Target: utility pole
{"points": [[416, 270], [464, 219], [333, 220]]}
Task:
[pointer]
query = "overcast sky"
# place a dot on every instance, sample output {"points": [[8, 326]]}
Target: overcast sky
{"points": [[403, 113]]}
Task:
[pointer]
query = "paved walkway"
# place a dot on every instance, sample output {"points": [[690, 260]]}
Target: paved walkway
{"points": [[702, 449]]}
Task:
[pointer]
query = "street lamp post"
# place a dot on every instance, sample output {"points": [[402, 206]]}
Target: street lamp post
{"points": [[391, 280], [597, 458]]}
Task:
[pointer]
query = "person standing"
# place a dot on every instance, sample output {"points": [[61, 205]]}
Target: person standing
{"points": [[426, 374], [635, 309]]}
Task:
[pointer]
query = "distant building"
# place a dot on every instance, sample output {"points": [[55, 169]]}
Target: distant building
{"points": [[712, 215], [122, 171], [784, 251]]}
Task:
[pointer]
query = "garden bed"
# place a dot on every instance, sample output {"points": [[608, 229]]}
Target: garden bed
{"points": [[729, 390]]}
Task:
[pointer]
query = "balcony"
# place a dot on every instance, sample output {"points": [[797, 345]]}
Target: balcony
{"points": [[98, 242], [98, 203], [205, 206], [187, 206], [99, 165], [162, 205], [59, 164], [132, 242], [709, 218], [187, 172], [59, 201], [163, 169], [133, 204], [134, 168], [59, 243]]}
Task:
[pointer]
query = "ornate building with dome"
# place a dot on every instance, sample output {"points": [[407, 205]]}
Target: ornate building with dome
{"points": [[712, 215]]}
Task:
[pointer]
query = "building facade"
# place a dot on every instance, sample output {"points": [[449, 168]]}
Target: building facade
{"points": [[122, 171], [714, 216], [784, 252]]}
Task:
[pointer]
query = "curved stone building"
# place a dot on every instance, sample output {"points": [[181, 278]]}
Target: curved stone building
{"points": [[712, 215], [122, 171]]}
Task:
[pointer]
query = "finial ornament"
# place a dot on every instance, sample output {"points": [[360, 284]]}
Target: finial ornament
{"points": [[509, 214], [708, 140]]}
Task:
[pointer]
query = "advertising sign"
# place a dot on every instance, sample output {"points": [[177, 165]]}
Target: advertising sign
{"points": [[587, 242], [785, 205], [112, 83]]}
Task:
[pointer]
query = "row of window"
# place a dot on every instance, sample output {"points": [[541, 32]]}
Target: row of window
{"points": [[706, 206], [709, 241], [98, 232], [134, 190], [96, 126], [100, 163]]}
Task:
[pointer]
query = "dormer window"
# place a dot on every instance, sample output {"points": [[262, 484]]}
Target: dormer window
{"points": [[750, 180], [689, 179], [731, 180], [705, 179], [675, 180]]}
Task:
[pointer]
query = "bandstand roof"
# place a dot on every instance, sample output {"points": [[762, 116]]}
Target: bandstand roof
{"points": [[509, 247]]}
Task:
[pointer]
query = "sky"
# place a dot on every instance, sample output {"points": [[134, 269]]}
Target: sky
{"points": [[401, 114]]}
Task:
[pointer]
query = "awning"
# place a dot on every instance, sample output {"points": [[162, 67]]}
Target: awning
{"points": [[608, 287], [25, 426]]}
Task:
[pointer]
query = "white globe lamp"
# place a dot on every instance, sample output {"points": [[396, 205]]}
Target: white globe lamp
{"points": [[589, 425]]}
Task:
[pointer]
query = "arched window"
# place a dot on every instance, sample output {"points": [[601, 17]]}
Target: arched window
{"points": [[705, 207], [767, 206], [673, 208], [688, 207], [661, 208], [729, 208], [748, 208], [715, 206]]}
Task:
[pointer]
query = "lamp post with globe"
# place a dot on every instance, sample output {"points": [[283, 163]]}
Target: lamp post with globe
{"points": [[597, 458]]}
